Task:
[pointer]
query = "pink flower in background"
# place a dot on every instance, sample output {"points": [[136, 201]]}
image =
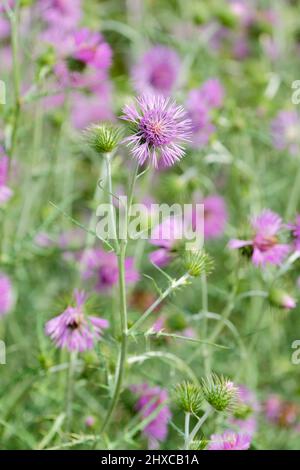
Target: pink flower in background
{"points": [[199, 104], [245, 420], [229, 440], [215, 216], [102, 267], [285, 131], [73, 330], [282, 412], [157, 71], [4, 26], [5, 191], [150, 399], [6, 294], [295, 231], [91, 49], [211, 93], [161, 128], [90, 421], [61, 14], [265, 244], [167, 236], [93, 107]]}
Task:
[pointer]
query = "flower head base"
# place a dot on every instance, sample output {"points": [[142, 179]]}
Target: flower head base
{"points": [[197, 262], [229, 440], [220, 393], [265, 246], [244, 418], [150, 400], [159, 129], [157, 71], [102, 138], [73, 330], [189, 397]]}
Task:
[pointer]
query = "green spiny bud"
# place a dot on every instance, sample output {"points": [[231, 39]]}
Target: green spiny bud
{"points": [[189, 397], [197, 262], [220, 393], [103, 138]]}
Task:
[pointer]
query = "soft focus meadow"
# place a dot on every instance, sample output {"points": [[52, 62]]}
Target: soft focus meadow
{"points": [[141, 343]]}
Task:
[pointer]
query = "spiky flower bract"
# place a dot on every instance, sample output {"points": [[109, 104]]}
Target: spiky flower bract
{"points": [[159, 129], [103, 138], [219, 392], [197, 262], [189, 397]]}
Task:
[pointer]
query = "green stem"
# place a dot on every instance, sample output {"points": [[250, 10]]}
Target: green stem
{"points": [[197, 427], [124, 337], [186, 429], [14, 21], [70, 389], [182, 280], [205, 311], [113, 235]]}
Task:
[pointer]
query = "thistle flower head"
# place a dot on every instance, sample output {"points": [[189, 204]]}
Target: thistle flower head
{"points": [[219, 392], [159, 127], [102, 138], [197, 262], [189, 397]]}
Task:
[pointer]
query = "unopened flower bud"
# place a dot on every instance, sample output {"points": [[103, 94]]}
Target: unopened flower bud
{"points": [[103, 138], [282, 299], [220, 393], [197, 262], [189, 397]]}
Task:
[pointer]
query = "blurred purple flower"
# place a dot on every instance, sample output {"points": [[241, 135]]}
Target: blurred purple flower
{"points": [[248, 423], [285, 131], [6, 294], [215, 216], [229, 440], [150, 399], [5, 191], [61, 14], [91, 49], [295, 232], [199, 104], [103, 267], [157, 71], [266, 247], [166, 236], [160, 129], [73, 330]]}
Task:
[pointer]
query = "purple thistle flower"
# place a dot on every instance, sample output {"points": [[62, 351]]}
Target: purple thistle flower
{"points": [[151, 398], [229, 440], [6, 294], [160, 128], [103, 267], [5, 191], [157, 71], [285, 131], [73, 330], [266, 247]]}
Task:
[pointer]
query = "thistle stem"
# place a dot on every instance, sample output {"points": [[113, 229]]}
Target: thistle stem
{"points": [[113, 235], [186, 429], [197, 427], [70, 389], [182, 280], [294, 197]]}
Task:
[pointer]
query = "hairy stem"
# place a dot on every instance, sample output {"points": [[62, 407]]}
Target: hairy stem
{"points": [[197, 427]]}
